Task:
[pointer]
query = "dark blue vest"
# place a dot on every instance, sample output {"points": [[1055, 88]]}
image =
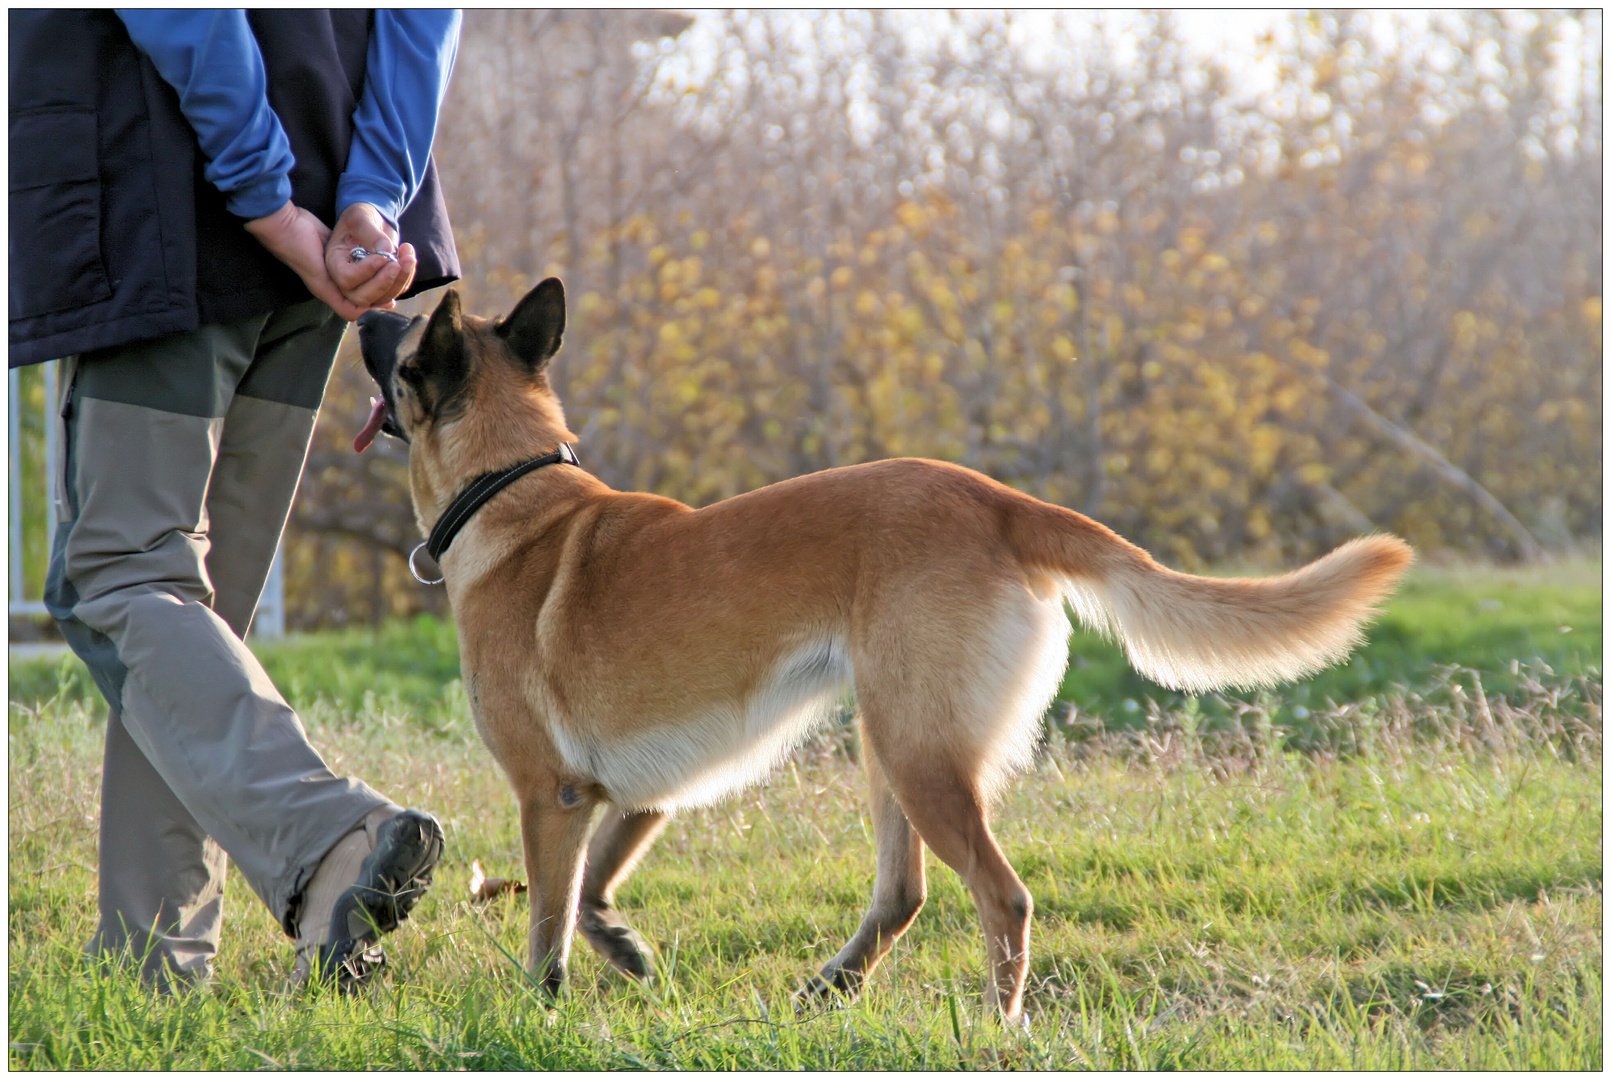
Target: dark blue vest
{"points": [[115, 235]]}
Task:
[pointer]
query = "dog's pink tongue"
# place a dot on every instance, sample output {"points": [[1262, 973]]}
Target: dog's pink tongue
{"points": [[377, 417]]}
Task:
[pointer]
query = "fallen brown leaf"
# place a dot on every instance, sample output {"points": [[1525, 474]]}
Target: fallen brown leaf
{"points": [[484, 888]]}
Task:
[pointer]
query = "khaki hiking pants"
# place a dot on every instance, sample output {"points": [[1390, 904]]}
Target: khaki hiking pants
{"points": [[183, 456]]}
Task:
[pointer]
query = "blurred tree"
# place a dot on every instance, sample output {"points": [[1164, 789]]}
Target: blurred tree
{"points": [[1080, 259]]}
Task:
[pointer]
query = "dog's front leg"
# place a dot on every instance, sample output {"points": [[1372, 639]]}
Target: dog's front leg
{"points": [[555, 820]]}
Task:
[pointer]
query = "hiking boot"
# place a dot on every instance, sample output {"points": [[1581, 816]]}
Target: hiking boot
{"points": [[364, 887]]}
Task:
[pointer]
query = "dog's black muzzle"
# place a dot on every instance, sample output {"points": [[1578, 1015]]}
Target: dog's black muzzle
{"points": [[380, 334]]}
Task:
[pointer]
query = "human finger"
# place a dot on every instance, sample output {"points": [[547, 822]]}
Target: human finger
{"points": [[388, 284], [352, 265], [379, 288]]}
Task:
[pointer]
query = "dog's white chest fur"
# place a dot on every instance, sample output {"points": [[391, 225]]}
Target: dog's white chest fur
{"points": [[680, 762]]}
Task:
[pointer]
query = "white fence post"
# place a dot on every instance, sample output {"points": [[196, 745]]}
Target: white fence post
{"points": [[17, 603], [14, 456], [269, 622]]}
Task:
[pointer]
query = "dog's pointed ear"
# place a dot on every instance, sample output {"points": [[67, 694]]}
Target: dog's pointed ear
{"points": [[445, 332], [534, 329], [442, 358]]}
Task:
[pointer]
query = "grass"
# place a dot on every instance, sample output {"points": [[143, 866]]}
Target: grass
{"points": [[1476, 617], [408, 665], [1432, 901], [1413, 879]]}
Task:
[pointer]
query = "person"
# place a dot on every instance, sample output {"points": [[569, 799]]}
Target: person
{"points": [[186, 191]]}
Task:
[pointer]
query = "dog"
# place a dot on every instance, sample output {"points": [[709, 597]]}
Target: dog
{"points": [[622, 650]]}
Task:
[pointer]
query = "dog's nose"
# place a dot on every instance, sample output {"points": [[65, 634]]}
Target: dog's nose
{"points": [[369, 318]]}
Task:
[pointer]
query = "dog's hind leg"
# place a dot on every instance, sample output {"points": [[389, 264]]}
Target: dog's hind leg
{"points": [[621, 840], [898, 894], [950, 692], [945, 806]]}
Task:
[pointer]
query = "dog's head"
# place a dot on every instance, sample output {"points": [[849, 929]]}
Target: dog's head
{"points": [[468, 395]]}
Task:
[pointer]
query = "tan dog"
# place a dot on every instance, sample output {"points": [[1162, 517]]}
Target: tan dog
{"points": [[623, 649]]}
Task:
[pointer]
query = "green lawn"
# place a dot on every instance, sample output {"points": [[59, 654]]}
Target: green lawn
{"points": [[1420, 887], [1475, 617]]}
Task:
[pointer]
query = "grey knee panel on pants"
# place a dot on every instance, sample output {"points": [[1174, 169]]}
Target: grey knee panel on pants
{"points": [[183, 459]]}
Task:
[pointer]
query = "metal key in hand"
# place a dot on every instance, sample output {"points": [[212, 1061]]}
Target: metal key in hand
{"points": [[359, 254]]}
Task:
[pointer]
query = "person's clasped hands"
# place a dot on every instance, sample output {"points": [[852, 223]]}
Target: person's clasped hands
{"points": [[322, 257]]}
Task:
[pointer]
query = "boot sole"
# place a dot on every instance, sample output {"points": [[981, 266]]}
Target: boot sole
{"points": [[391, 881]]}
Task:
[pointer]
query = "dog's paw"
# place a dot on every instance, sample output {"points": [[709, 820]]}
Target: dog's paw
{"points": [[830, 990], [621, 946]]}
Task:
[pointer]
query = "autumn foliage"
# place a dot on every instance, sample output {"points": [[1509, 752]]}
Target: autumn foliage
{"points": [[1237, 326]]}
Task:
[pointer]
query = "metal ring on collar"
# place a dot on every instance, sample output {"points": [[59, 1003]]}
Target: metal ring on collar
{"points": [[412, 570]]}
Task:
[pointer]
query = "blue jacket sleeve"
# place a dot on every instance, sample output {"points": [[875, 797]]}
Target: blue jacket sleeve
{"points": [[212, 60], [411, 54]]}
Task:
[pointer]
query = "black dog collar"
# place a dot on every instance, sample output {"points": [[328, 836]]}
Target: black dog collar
{"points": [[474, 497]]}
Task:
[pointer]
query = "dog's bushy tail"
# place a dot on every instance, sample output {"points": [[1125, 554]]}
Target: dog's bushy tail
{"points": [[1195, 633]]}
